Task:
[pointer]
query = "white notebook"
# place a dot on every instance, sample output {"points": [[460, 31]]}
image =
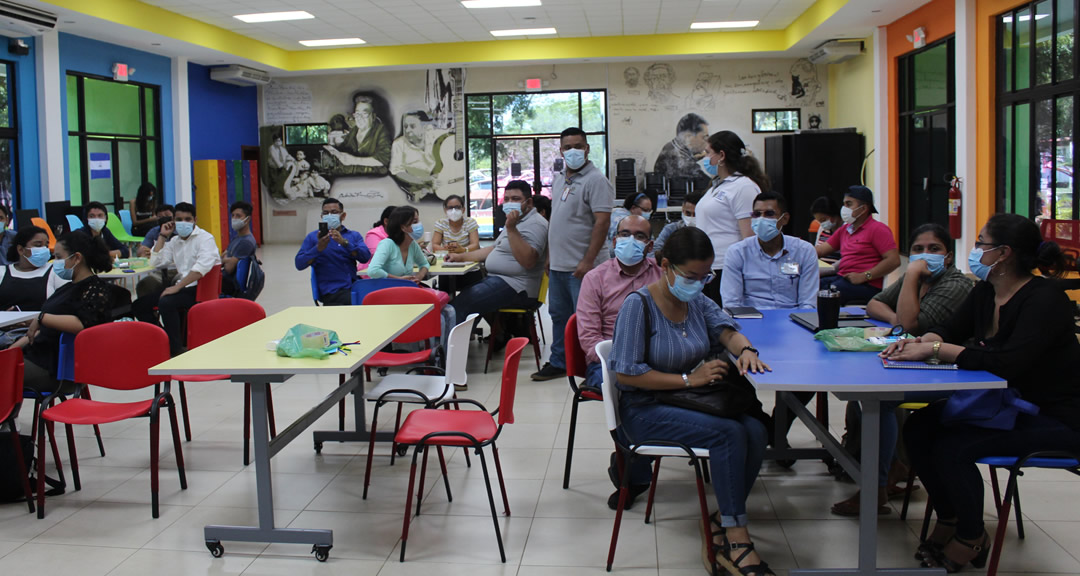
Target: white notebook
{"points": [[917, 365]]}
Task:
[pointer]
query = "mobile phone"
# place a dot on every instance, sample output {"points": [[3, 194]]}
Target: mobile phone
{"points": [[324, 229]]}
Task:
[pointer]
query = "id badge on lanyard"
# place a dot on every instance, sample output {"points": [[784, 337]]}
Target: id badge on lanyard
{"points": [[789, 268]]}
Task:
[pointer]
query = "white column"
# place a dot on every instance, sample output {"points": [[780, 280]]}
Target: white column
{"points": [[966, 122], [881, 125], [50, 117], [181, 132]]}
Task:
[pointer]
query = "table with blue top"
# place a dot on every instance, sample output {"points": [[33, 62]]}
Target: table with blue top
{"points": [[799, 363]]}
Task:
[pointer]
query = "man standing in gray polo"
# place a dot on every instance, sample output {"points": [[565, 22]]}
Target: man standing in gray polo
{"points": [[581, 202]]}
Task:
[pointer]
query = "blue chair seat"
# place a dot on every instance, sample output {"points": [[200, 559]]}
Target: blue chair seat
{"points": [[1010, 461]]}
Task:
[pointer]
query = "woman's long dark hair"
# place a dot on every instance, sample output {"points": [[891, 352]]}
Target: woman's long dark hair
{"points": [[385, 214], [1022, 235], [93, 249], [401, 216], [632, 200], [738, 158], [141, 201], [688, 244], [24, 236]]}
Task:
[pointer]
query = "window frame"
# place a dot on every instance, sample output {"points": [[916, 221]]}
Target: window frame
{"points": [[753, 120], [285, 133], [11, 133]]}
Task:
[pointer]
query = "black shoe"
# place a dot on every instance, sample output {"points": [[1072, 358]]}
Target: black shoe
{"points": [[635, 491], [548, 372]]}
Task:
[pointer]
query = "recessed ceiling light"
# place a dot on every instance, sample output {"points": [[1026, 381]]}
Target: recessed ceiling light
{"points": [[274, 16], [474, 4], [729, 24], [524, 32], [333, 42]]}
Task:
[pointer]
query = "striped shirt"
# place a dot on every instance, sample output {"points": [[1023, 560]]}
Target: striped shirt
{"points": [[461, 236], [944, 297]]}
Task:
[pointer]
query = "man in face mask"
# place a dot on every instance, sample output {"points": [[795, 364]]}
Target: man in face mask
{"points": [[96, 217], [241, 246], [868, 248], [606, 286], [581, 202], [689, 213], [333, 255], [770, 269]]}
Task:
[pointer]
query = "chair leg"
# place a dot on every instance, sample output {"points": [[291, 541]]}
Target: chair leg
{"points": [[1019, 513], [85, 394], [535, 342], [177, 448], [570, 442], [24, 474], [371, 449], [495, 330], [995, 488], [155, 437], [247, 423], [41, 471], [907, 491], [822, 408], [540, 320], [491, 503], [926, 519], [408, 504], [270, 411], [423, 477], [502, 483], [397, 425], [652, 489], [1003, 525], [445, 476], [700, 478], [182, 391], [624, 489], [74, 460]]}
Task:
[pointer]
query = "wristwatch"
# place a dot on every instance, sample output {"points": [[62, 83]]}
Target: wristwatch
{"points": [[937, 350], [686, 379], [869, 276]]}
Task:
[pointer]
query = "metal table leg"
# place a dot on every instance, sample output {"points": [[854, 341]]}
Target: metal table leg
{"points": [[358, 433]]}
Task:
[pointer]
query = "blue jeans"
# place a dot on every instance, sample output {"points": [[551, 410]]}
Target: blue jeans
{"points": [[849, 292], [736, 447], [486, 297], [594, 375], [563, 289]]}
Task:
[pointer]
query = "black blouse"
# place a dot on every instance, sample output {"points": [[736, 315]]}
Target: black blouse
{"points": [[90, 300], [1035, 348]]}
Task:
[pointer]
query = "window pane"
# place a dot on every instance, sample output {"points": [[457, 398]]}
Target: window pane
{"points": [[1007, 50], [598, 152], [513, 161], [129, 169], [1044, 147], [1022, 196], [6, 121], [111, 107], [306, 134], [549, 152], [1008, 159], [1066, 24], [789, 120], [1023, 49], [150, 110], [479, 115], [73, 104], [549, 113], [592, 112], [74, 171], [151, 162], [932, 76], [1044, 43], [7, 172], [101, 189], [1063, 174]]}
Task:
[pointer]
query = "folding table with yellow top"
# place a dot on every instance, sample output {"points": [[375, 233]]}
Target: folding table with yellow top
{"points": [[244, 355]]}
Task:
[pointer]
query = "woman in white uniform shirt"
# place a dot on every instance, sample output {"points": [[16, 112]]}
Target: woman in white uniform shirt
{"points": [[724, 212]]}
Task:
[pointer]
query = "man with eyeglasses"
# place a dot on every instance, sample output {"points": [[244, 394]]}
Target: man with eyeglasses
{"points": [[333, 255], [770, 269], [605, 287]]}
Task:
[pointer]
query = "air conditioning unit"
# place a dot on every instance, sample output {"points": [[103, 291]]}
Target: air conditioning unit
{"points": [[836, 51], [24, 19], [240, 75]]}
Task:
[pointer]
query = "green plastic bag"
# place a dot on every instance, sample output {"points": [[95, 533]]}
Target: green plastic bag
{"points": [[304, 341], [847, 340]]}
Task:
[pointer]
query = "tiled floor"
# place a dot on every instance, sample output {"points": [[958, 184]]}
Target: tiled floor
{"points": [[106, 528]]}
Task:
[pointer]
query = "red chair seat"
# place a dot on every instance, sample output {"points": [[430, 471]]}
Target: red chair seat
{"points": [[201, 377], [85, 412], [419, 423], [391, 359], [587, 394]]}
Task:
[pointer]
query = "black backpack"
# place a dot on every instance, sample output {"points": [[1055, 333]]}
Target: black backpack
{"points": [[11, 487], [256, 279]]}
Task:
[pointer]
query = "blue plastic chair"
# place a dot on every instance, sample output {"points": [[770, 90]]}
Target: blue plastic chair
{"points": [[365, 286], [125, 219], [65, 372], [314, 288], [74, 222]]}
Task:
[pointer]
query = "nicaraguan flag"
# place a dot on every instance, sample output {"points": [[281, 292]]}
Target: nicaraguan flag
{"points": [[100, 165]]}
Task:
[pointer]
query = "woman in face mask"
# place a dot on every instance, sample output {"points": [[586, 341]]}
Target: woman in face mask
{"points": [[83, 302], [669, 333], [1020, 328], [827, 214], [457, 233], [637, 204], [28, 281]]}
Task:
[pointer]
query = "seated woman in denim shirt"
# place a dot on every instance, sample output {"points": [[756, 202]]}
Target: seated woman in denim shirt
{"points": [[684, 327]]}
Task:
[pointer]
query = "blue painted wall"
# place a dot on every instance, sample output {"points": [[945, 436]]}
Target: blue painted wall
{"points": [[29, 167], [78, 54], [222, 117]]}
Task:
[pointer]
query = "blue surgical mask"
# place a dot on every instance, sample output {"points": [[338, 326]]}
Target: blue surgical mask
{"points": [[708, 167], [765, 228], [184, 229], [575, 158], [508, 207], [935, 262], [685, 289], [417, 231], [646, 215], [3, 227], [629, 251], [96, 224], [61, 271], [980, 270], [39, 256], [332, 220]]}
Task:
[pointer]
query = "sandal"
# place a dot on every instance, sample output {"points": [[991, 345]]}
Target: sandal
{"points": [[732, 566], [959, 553], [930, 549], [708, 546]]}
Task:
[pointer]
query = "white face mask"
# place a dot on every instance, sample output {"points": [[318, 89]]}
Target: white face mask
{"points": [[455, 214], [847, 215], [690, 221], [826, 225]]}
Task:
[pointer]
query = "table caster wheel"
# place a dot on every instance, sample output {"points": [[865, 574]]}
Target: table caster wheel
{"points": [[322, 553], [215, 548], [402, 451], [318, 447], [786, 463]]}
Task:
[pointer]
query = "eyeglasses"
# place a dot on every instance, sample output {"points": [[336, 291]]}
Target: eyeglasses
{"points": [[765, 214], [639, 236], [707, 279], [986, 245]]}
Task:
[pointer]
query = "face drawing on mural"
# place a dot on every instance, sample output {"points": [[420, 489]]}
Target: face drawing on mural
{"points": [[361, 116], [632, 76], [704, 93], [413, 129], [680, 158], [659, 78], [416, 157], [358, 143], [815, 122]]}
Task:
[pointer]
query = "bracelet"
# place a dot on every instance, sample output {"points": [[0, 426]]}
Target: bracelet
{"points": [[686, 379], [750, 348], [40, 318]]}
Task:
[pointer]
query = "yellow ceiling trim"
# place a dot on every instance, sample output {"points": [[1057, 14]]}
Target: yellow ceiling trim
{"points": [[138, 15]]}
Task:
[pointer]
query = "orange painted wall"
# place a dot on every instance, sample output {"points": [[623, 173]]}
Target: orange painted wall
{"points": [[938, 18]]}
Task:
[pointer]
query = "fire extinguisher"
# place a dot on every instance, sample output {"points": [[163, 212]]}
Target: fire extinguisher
{"points": [[955, 201]]}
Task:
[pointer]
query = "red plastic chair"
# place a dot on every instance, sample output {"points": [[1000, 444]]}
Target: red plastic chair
{"points": [[211, 320], [576, 366], [465, 428], [11, 386], [146, 346], [209, 286]]}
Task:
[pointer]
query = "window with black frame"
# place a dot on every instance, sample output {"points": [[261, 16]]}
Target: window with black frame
{"points": [[114, 139], [776, 120], [1037, 89], [9, 150]]}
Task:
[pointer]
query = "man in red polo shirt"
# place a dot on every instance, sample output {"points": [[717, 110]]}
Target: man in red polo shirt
{"points": [[867, 247]]}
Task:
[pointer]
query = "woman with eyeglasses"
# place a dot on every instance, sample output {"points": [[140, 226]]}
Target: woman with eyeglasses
{"points": [[637, 204], [666, 336], [1019, 327]]}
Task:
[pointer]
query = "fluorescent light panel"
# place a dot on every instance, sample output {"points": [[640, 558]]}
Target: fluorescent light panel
{"points": [[475, 4], [717, 25], [333, 42], [274, 16], [524, 32]]}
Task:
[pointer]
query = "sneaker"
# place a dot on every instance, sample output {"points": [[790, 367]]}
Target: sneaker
{"points": [[548, 372]]}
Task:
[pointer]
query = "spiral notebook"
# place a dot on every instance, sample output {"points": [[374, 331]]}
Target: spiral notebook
{"points": [[916, 365]]}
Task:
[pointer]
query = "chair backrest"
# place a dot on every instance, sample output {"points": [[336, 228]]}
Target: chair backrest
{"points": [[541, 296], [40, 223], [65, 362], [112, 222], [125, 219], [314, 287], [73, 222], [457, 351], [11, 381], [426, 327], [118, 355], [509, 379], [211, 320], [607, 387], [576, 366], [209, 286], [364, 286]]}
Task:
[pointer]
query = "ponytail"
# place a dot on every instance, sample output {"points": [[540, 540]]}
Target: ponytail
{"points": [[1032, 252], [739, 158]]}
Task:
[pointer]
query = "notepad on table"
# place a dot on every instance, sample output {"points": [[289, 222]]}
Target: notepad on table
{"points": [[744, 312], [917, 365], [456, 264]]}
